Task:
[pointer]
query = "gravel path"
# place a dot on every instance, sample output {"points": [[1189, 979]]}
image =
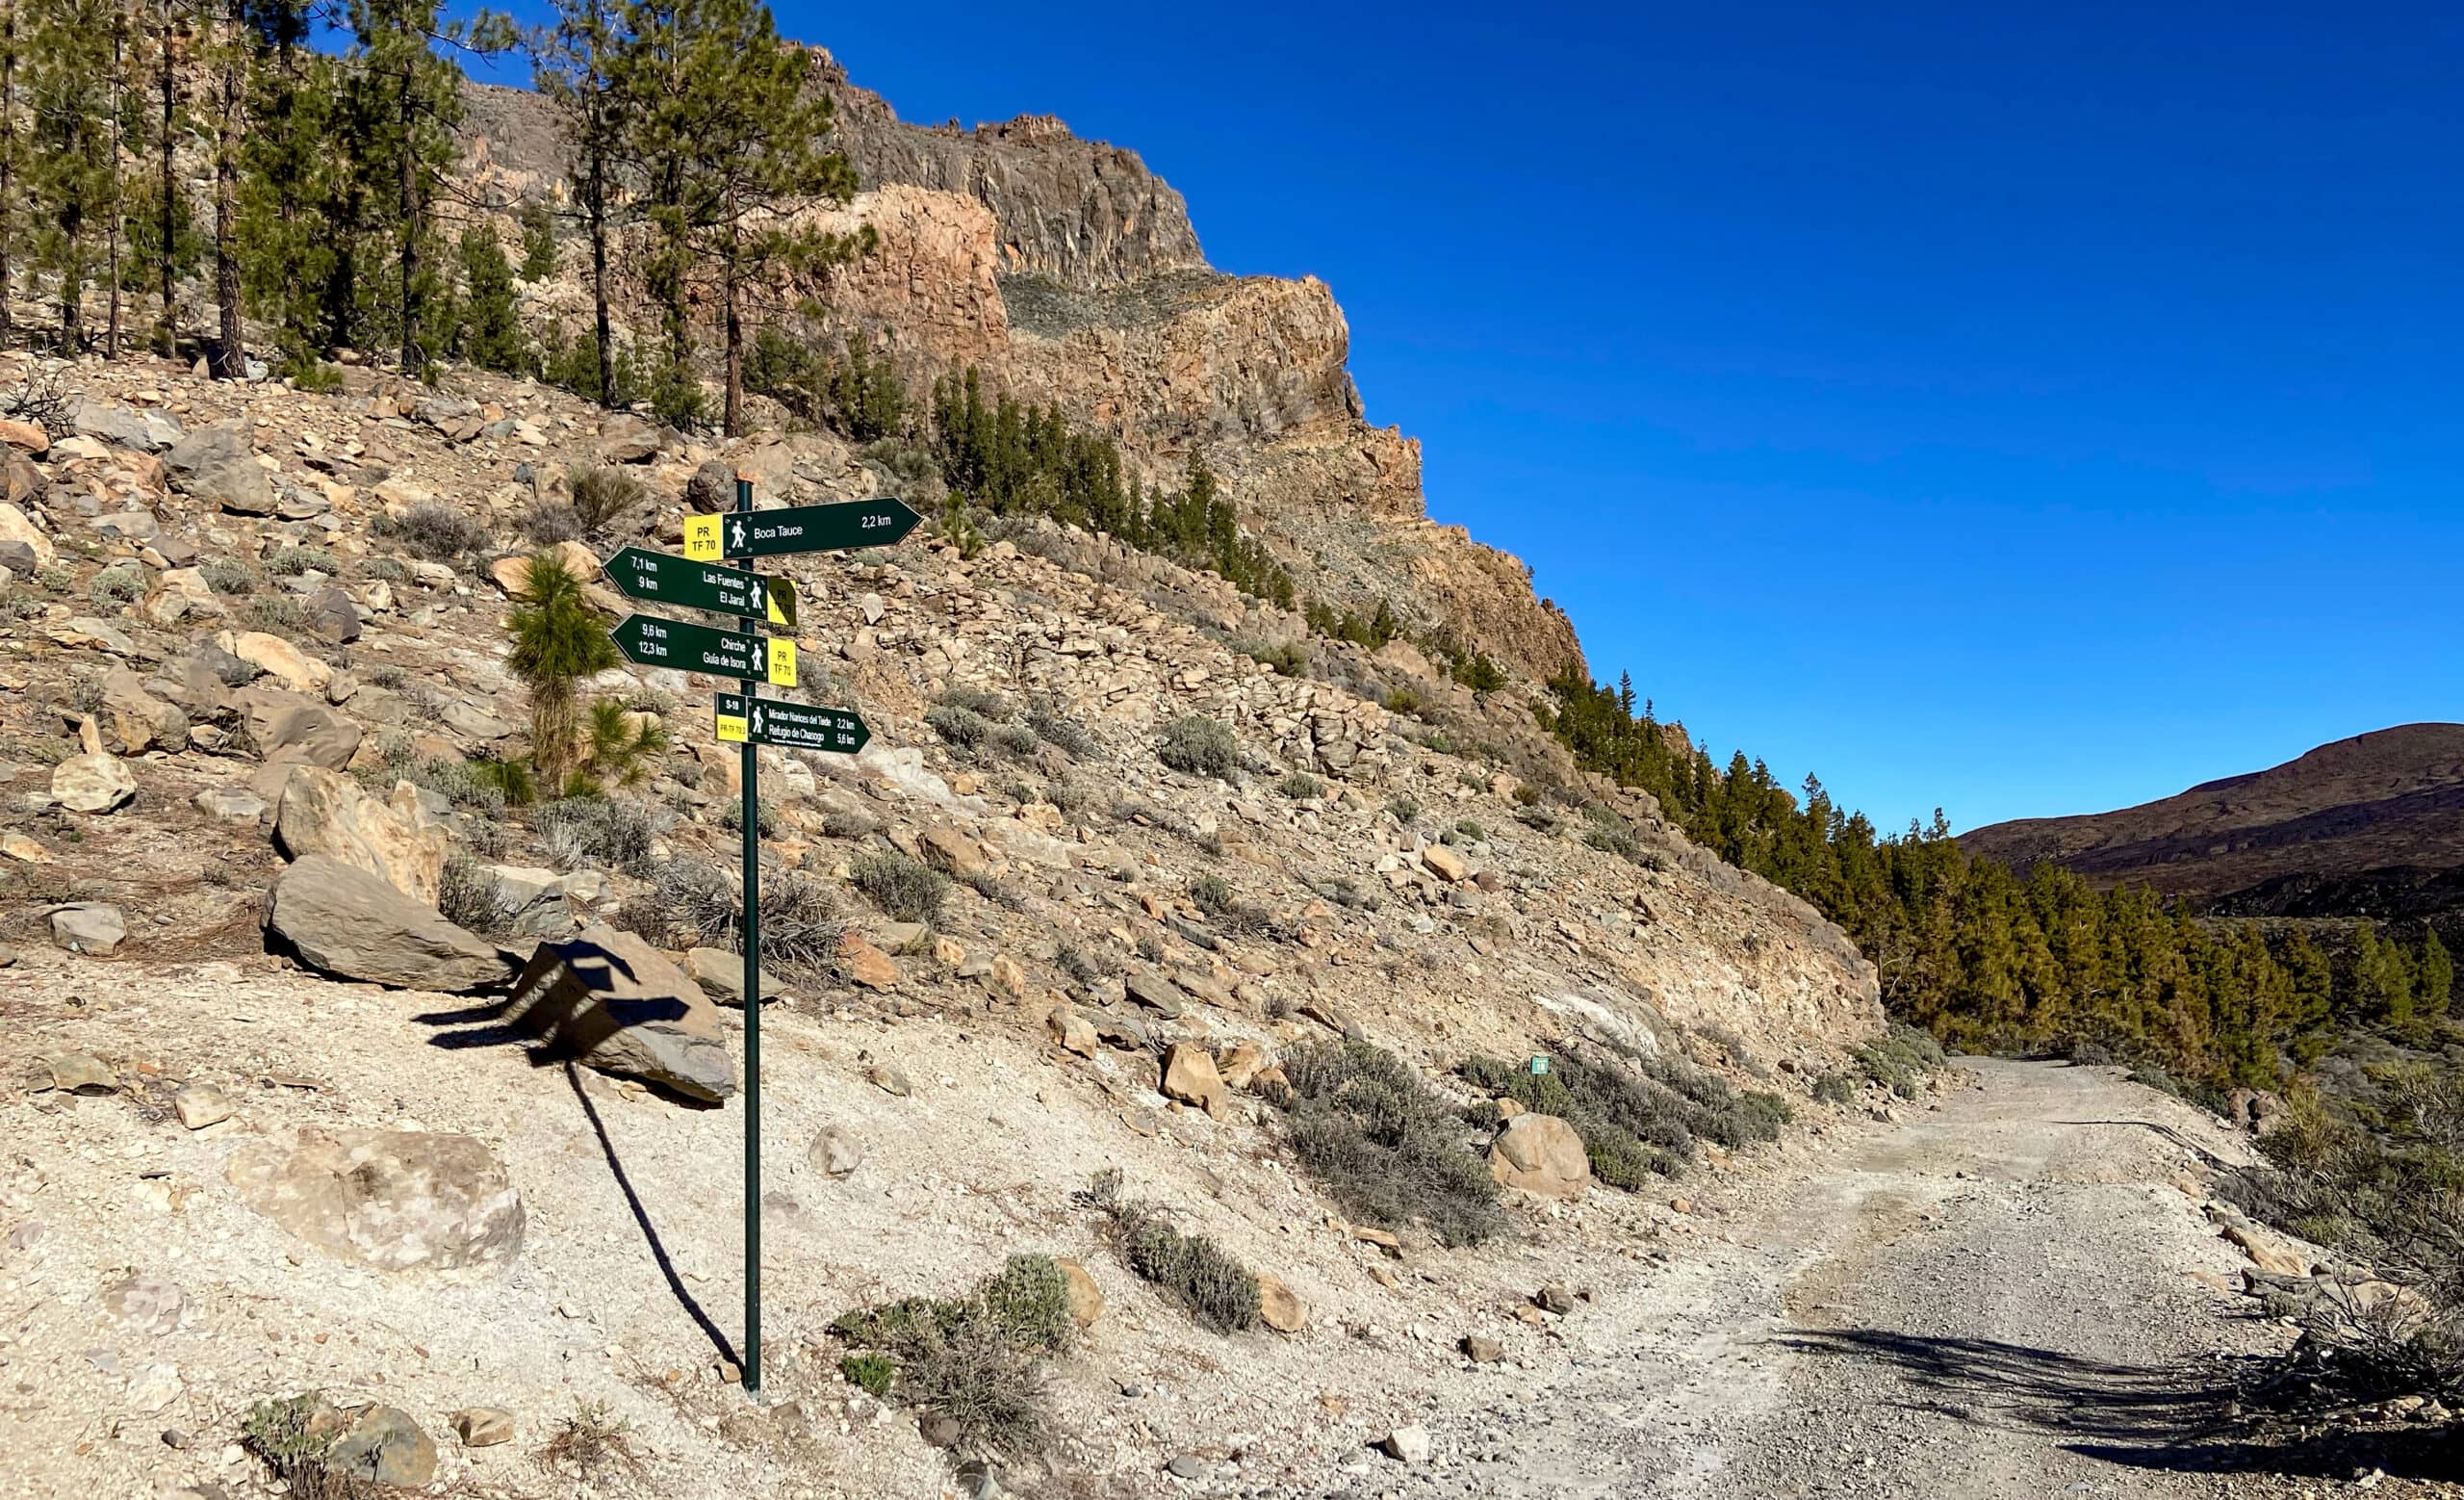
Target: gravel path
{"points": [[1991, 1299]]}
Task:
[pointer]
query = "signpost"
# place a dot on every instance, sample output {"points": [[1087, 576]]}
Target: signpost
{"points": [[652, 642], [746, 719], [792, 725], [769, 534], [664, 580]]}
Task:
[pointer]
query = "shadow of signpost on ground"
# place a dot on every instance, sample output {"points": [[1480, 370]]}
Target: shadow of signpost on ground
{"points": [[2175, 1419], [650, 1232]]}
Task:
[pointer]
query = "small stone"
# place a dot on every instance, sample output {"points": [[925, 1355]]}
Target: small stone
{"points": [[1279, 1307], [97, 781], [144, 1305], [1073, 1031], [231, 804], [201, 1104], [385, 1445], [1482, 1351], [483, 1427], [1086, 1297], [1408, 1444], [1189, 1465], [865, 964], [92, 927], [938, 1430], [889, 1080], [1189, 1076], [18, 846], [1553, 1298], [82, 1072], [834, 1153]]}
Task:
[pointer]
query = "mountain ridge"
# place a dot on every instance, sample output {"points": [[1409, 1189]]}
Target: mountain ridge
{"points": [[2351, 810]]}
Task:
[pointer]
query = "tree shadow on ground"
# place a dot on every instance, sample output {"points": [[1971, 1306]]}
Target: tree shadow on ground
{"points": [[2176, 1418]]}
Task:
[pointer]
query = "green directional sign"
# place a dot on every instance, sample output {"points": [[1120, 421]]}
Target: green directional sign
{"points": [[656, 575], [792, 725], [768, 533], [697, 648]]}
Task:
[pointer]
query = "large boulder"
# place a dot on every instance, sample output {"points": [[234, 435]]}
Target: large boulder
{"points": [[95, 782], [610, 1000], [92, 927], [136, 720], [289, 727], [14, 526], [218, 464], [627, 439], [279, 658], [395, 1199], [324, 811], [1189, 1076], [147, 431], [1541, 1155], [339, 919]]}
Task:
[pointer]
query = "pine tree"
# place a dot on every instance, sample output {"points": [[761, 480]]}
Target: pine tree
{"points": [[230, 61], [723, 133], [489, 330], [538, 240], [2433, 977], [409, 102], [12, 48], [557, 640], [576, 63], [72, 182]]}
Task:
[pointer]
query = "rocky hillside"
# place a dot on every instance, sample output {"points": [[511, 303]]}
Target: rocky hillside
{"points": [[1071, 274], [2366, 826], [286, 1123]]}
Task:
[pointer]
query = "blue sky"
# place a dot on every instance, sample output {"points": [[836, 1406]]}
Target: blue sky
{"points": [[2020, 409]]}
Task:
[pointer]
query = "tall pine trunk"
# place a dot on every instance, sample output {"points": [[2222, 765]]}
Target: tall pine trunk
{"points": [[231, 358], [412, 363], [167, 337], [600, 320], [110, 221], [8, 158], [732, 421]]}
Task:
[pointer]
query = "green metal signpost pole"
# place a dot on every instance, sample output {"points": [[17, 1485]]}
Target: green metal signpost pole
{"points": [[752, 821]]}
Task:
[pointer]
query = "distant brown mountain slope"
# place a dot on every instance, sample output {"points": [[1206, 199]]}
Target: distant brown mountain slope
{"points": [[2389, 801]]}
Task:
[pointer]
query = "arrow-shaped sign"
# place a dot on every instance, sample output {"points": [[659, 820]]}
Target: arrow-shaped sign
{"points": [[656, 575], [794, 726], [767, 533], [697, 648]]}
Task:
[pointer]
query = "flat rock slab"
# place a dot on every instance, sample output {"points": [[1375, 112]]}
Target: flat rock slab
{"points": [[395, 1199], [340, 919], [610, 1000]]}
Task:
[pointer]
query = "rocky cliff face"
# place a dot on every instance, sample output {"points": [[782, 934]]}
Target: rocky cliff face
{"points": [[1070, 274], [1081, 212]]}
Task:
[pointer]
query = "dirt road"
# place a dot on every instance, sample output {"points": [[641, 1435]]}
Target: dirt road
{"points": [[1990, 1300]]}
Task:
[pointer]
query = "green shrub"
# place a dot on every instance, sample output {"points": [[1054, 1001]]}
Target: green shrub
{"points": [[1214, 895], [1193, 1269], [1470, 830], [1833, 1088], [1201, 746], [870, 1373], [1402, 700], [1301, 787], [230, 576], [849, 824], [1607, 832], [117, 586], [978, 1360], [1406, 810], [1899, 1059], [962, 727], [981, 701], [607, 832], [1639, 1118], [468, 896], [1385, 1144], [294, 561], [1061, 732], [434, 530], [1288, 658], [904, 890]]}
